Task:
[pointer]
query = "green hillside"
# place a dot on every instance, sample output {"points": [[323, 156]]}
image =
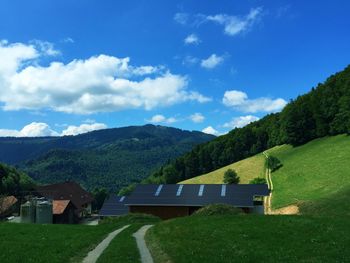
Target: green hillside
{"points": [[246, 169], [313, 175]]}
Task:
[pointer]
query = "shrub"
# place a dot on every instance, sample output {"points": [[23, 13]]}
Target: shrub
{"points": [[273, 163], [258, 180], [231, 177], [218, 209]]}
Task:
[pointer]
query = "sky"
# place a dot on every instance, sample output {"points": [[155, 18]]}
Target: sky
{"points": [[73, 66]]}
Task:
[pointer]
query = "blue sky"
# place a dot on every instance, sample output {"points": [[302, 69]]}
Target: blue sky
{"points": [[68, 67]]}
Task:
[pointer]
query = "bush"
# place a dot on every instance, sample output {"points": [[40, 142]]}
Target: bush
{"points": [[127, 190], [231, 177], [258, 180], [218, 209], [273, 163]]}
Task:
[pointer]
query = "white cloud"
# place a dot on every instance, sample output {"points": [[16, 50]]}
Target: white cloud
{"points": [[45, 47], [68, 40], [239, 100], [98, 84], [83, 128], [189, 61], [181, 18], [212, 61], [161, 119], [234, 25], [197, 117], [192, 39], [210, 130], [240, 122], [34, 129], [40, 129]]}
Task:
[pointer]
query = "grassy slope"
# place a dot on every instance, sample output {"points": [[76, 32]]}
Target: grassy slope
{"points": [[318, 171], [246, 169], [239, 239], [315, 175]]}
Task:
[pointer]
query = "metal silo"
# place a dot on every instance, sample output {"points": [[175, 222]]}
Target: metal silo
{"points": [[44, 212], [28, 212]]}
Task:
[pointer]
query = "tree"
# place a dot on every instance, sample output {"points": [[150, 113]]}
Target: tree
{"points": [[100, 194], [258, 180], [231, 177], [273, 163]]}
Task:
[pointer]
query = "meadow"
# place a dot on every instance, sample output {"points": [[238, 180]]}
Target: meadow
{"points": [[313, 175], [246, 169]]}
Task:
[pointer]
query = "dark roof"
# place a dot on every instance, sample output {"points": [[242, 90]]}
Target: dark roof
{"points": [[66, 191], [114, 206], [240, 195]]}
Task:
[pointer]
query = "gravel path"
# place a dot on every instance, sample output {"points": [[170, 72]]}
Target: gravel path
{"points": [[141, 244], [94, 254]]}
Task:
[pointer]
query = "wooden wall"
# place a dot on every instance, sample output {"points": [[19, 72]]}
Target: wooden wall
{"points": [[164, 212]]}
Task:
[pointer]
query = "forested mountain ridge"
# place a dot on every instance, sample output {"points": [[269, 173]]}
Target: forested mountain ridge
{"points": [[324, 111], [109, 158]]}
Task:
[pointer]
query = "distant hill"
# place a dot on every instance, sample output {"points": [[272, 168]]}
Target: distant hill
{"points": [[109, 158], [324, 111]]}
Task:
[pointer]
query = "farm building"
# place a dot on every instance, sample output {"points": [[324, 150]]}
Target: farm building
{"points": [[174, 200], [63, 211], [69, 200], [7, 205]]}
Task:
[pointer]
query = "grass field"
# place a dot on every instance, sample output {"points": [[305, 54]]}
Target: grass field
{"points": [[68, 243], [251, 239], [123, 247], [49, 243], [246, 169], [315, 175]]}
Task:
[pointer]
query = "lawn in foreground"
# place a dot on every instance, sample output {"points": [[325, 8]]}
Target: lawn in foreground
{"points": [[246, 169], [314, 173], [123, 247], [49, 243], [251, 238], [57, 243]]}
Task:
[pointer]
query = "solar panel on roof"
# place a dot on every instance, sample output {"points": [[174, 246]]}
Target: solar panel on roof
{"points": [[223, 190], [201, 189], [158, 190], [179, 190]]}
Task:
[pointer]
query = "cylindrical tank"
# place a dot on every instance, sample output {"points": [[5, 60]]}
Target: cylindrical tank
{"points": [[27, 213], [44, 212]]}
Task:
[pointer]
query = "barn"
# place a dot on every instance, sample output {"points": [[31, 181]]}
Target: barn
{"points": [[67, 197], [174, 200]]}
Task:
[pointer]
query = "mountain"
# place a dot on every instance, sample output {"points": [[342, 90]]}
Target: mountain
{"points": [[324, 111], [109, 158]]}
